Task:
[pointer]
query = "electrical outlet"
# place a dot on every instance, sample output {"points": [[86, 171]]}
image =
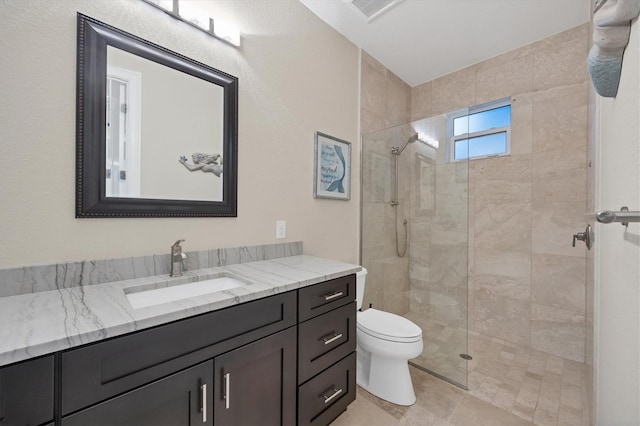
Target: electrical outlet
{"points": [[281, 229]]}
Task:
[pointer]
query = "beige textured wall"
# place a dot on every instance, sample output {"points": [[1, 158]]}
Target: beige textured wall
{"points": [[385, 103], [526, 283], [297, 75]]}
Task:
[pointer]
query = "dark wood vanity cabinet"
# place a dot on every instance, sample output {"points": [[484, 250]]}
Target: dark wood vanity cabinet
{"points": [[33, 378], [326, 350], [258, 363]]}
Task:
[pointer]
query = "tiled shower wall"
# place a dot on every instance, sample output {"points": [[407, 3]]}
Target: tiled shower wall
{"points": [[526, 282], [385, 103]]}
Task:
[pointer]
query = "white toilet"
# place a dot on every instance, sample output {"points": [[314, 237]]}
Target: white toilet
{"points": [[386, 342]]}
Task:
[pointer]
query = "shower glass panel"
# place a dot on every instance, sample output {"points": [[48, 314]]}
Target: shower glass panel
{"points": [[429, 283]]}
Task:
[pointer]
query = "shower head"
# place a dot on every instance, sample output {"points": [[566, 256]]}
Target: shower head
{"points": [[398, 151]]}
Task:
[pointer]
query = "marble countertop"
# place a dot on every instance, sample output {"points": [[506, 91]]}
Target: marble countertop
{"points": [[48, 321]]}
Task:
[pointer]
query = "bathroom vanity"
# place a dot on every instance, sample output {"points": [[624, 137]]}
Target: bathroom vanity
{"points": [[288, 358]]}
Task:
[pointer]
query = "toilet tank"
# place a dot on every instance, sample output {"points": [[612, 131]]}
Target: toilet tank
{"points": [[360, 282]]}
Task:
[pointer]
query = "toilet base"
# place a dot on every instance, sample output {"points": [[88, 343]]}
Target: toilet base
{"points": [[386, 378]]}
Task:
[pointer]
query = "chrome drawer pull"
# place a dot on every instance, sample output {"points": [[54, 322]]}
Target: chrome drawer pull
{"points": [[335, 393], [333, 295], [203, 389], [227, 395], [329, 339]]}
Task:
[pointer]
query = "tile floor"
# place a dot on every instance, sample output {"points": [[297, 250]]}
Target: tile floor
{"points": [[508, 385]]}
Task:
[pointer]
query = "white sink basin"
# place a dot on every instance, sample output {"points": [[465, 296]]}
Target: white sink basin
{"points": [[158, 296]]}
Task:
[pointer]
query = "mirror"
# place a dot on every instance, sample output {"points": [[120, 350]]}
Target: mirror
{"points": [[156, 131]]}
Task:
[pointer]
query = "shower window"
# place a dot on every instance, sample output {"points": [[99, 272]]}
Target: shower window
{"points": [[480, 131]]}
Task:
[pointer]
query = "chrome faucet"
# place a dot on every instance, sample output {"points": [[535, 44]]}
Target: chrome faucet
{"points": [[176, 259]]}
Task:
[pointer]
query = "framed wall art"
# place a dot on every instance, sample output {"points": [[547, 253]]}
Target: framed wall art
{"points": [[332, 168]]}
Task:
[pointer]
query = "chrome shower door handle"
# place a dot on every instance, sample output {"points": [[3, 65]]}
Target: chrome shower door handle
{"points": [[586, 236]]}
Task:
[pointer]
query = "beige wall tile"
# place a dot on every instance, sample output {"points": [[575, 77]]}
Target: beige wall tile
{"points": [[448, 305], [521, 125], [396, 284], [560, 118], [372, 221], [560, 186], [552, 228], [421, 101], [398, 101], [503, 273], [558, 281], [374, 288], [504, 226], [376, 172], [545, 162], [454, 91], [557, 331], [370, 121], [450, 229], [561, 63], [501, 317], [448, 266], [560, 176], [496, 79], [374, 93], [419, 297], [502, 179]]}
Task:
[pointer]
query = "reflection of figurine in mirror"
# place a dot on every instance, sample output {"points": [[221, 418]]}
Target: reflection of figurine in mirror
{"points": [[204, 162]]}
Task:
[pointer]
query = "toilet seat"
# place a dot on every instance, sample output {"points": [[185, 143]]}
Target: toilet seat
{"points": [[388, 326]]}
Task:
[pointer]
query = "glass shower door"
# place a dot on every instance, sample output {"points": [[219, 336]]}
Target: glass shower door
{"points": [[429, 284]]}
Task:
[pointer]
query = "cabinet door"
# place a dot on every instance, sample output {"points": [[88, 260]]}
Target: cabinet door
{"points": [[182, 399], [256, 384], [26, 392]]}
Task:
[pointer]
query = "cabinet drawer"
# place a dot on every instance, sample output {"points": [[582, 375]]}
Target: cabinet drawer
{"points": [[320, 298], [325, 339], [26, 392], [327, 395], [99, 371], [183, 399]]}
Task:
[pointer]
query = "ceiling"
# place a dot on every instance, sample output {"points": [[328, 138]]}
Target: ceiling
{"points": [[420, 40]]}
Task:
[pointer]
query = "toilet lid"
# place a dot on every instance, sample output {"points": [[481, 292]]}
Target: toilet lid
{"points": [[388, 326]]}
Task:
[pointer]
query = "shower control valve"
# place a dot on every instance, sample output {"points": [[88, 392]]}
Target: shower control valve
{"points": [[586, 236]]}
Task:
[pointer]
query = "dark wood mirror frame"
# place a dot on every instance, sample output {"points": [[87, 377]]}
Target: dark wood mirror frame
{"points": [[91, 202]]}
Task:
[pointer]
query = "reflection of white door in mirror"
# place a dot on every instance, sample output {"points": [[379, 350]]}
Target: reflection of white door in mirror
{"points": [[123, 132], [180, 114]]}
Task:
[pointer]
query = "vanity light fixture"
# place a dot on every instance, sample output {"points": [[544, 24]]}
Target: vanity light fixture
{"points": [[187, 13], [432, 142]]}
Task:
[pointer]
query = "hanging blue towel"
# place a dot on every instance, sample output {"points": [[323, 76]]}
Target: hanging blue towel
{"points": [[611, 27], [604, 71]]}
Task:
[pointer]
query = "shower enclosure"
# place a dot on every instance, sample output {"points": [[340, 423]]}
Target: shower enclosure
{"points": [[414, 238]]}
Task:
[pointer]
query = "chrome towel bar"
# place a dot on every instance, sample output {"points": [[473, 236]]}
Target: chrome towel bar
{"points": [[623, 216]]}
